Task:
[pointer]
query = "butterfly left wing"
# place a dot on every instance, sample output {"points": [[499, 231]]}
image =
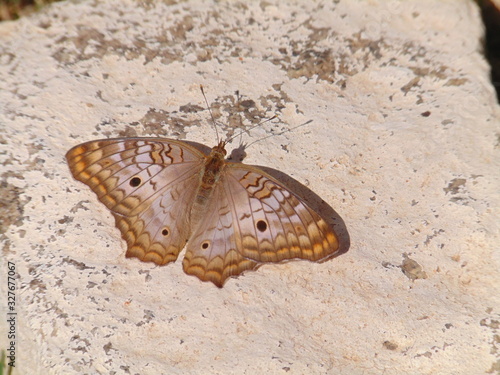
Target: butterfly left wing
{"points": [[148, 184]]}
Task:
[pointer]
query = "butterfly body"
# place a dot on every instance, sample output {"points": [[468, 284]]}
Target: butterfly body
{"points": [[234, 217], [213, 167]]}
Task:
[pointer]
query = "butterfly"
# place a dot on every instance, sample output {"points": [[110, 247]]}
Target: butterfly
{"points": [[164, 193]]}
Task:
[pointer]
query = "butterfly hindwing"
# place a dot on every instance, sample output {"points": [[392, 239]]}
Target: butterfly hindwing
{"points": [[212, 250]]}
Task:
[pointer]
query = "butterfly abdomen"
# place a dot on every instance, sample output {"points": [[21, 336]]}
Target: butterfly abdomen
{"points": [[210, 175]]}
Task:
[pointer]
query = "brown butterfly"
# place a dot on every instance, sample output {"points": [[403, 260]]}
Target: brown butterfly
{"points": [[234, 217]]}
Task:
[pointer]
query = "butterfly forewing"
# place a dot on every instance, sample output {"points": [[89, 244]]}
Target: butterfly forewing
{"points": [[273, 223], [148, 186]]}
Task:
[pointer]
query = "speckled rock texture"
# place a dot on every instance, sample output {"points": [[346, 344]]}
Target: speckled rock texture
{"points": [[403, 145]]}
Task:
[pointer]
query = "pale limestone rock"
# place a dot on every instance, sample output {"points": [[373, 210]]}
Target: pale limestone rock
{"points": [[404, 146]]}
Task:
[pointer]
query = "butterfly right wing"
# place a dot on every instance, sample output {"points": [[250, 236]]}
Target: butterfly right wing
{"points": [[212, 251], [273, 223], [252, 219], [148, 184]]}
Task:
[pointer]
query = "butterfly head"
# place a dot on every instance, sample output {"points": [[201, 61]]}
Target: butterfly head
{"points": [[220, 149]]}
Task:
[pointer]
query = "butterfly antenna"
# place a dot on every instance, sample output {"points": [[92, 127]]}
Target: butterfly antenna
{"points": [[250, 128], [210, 111], [282, 132]]}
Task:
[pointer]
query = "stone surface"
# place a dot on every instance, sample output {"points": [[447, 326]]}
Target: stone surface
{"points": [[403, 145]]}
